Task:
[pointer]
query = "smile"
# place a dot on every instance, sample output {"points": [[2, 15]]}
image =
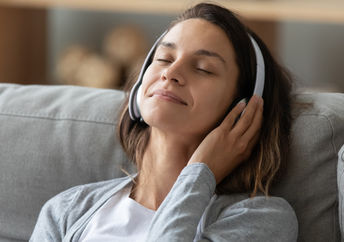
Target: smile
{"points": [[167, 95]]}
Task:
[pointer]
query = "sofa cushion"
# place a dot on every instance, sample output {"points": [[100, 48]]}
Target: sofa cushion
{"points": [[309, 182], [340, 177], [52, 138]]}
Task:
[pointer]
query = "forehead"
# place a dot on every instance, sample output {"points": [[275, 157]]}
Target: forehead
{"points": [[194, 34]]}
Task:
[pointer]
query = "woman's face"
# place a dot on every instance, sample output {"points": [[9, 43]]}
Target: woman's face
{"points": [[192, 79]]}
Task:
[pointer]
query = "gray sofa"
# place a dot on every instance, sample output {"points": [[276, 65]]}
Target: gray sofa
{"points": [[56, 137]]}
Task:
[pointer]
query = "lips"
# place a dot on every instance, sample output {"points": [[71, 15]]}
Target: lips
{"points": [[168, 95]]}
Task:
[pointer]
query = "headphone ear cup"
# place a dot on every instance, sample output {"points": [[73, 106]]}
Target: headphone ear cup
{"points": [[132, 105], [138, 99], [136, 91]]}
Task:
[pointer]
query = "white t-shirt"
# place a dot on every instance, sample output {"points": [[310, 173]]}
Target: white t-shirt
{"points": [[120, 219]]}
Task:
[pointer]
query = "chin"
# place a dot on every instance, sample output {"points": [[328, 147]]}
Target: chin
{"points": [[171, 125], [154, 115], [162, 121]]}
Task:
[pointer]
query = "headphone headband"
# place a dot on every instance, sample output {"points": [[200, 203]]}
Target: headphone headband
{"points": [[135, 92], [260, 69]]}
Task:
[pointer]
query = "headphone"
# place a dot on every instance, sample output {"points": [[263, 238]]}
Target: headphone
{"points": [[136, 91]]}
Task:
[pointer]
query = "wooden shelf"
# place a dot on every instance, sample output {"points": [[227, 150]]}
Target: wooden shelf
{"points": [[328, 11]]}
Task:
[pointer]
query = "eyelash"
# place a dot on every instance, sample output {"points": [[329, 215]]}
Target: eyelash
{"points": [[205, 71], [199, 69], [163, 60]]}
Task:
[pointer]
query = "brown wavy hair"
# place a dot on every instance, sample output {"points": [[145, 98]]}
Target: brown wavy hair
{"points": [[270, 153]]}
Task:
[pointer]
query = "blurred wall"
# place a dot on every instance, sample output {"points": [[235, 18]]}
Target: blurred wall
{"points": [[313, 52]]}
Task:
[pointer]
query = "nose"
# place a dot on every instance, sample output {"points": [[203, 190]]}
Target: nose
{"points": [[174, 73]]}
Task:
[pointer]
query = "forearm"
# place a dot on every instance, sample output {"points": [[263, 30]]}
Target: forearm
{"points": [[179, 214]]}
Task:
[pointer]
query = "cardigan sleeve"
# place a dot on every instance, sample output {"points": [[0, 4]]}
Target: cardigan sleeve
{"points": [[179, 214], [255, 219]]}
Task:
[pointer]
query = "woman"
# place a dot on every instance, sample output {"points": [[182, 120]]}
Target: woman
{"points": [[205, 166]]}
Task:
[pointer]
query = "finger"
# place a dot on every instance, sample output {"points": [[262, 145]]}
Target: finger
{"points": [[256, 125], [247, 117], [229, 120]]}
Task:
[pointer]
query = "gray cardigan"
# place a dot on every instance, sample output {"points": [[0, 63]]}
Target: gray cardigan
{"points": [[190, 212]]}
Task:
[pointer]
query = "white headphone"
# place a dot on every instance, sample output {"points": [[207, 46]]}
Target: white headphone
{"points": [[136, 91]]}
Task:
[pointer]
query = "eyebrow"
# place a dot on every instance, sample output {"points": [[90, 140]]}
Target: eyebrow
{"points": [[198, 52]]}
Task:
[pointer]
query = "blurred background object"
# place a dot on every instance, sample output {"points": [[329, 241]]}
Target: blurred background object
{"points": [[68, 63], [124, 49], [80, 66], [125, 44], [38, 39]]}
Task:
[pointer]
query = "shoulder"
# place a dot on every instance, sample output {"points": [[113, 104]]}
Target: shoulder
{"points": [[68, 206], [90, 191], [59, 213], [260, 216]]}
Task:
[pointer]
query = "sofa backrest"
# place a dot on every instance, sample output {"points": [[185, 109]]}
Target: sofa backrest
{"points": [[52, 138], [310, 180], [56, 137]]}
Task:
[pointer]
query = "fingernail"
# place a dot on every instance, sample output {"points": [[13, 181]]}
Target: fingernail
{"points": [[243, 101], [242, 104]]}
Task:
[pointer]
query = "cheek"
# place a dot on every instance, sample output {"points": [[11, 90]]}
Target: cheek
{"points": [[150, 77], [147, 82], [213, 105], [151, 109]]}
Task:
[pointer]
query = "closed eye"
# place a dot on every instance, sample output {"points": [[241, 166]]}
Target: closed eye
{"points": [[205, 71], [164, 60], [198, 69]]}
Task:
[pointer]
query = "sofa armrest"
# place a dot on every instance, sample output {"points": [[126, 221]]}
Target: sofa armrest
{"points": [[340, 177]]}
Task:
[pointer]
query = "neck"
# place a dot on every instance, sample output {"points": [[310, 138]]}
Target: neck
{"points": [[165, 156]]}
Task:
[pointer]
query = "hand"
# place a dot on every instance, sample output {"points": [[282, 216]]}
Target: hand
{"points": [[225, 147]]}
